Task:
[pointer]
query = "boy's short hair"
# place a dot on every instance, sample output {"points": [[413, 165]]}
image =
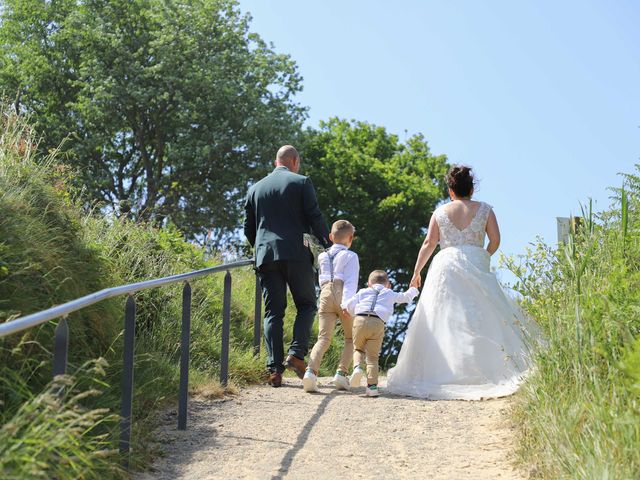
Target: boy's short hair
{"points": [[341, 229], [378, 276]]}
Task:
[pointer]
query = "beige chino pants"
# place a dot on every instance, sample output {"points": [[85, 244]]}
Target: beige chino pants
{"points": [[368, 333], [329, 312]]}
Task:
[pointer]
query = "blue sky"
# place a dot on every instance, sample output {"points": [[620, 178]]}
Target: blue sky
{"points": [[542, 98]]}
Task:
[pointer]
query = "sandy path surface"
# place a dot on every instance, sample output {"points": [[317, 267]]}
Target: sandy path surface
{"points": [[273, 433]]}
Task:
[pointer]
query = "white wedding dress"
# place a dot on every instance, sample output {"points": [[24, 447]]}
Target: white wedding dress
{"points": [[467, 339]]}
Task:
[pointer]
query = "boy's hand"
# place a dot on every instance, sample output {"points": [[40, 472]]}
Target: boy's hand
{"points": [[416, 280], [346, 313]]}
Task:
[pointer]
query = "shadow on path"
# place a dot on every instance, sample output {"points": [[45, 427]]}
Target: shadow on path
{"points": [[287, 461]]}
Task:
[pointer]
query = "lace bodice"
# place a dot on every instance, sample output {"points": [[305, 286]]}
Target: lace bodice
{"points": [[473, 234]]}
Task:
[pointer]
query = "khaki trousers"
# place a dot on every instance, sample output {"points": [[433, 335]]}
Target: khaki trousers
{"points": [[329, 312], [368, 333]]}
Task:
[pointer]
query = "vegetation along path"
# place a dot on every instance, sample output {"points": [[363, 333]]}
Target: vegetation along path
{"points": [[272, 433]]}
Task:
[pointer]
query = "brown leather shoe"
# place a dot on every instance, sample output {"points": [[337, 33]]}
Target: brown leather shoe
{"points": [[275, 379], [295, 364]]}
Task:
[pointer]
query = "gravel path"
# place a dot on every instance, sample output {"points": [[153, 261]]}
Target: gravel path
{"points": [[273, 433]]}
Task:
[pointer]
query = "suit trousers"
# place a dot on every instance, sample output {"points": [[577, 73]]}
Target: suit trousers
{"points": [[328, 314], [299, 276]]}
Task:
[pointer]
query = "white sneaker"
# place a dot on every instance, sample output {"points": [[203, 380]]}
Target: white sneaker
{"points": [[373, 391], [310, 382], [341, 381], [356, 376]]}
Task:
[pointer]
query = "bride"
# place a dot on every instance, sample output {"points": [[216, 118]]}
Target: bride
{"points": [[467, 337]]}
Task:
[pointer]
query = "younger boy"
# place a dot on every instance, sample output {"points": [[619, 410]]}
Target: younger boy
{"points": [[338, 278], [372, 308]]}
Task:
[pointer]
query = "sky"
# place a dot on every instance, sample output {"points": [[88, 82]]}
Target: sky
{"points": [[541, 98]]}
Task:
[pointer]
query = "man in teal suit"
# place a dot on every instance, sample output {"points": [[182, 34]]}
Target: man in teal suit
{"points": [[280, 209]]}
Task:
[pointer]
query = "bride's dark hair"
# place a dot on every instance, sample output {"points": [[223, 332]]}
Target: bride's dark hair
{"points": [[460, 180]]}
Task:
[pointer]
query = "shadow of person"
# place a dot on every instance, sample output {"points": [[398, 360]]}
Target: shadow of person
{"points": [[288, 458]]}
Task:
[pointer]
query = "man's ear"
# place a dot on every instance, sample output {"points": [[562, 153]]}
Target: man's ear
{"points": [[331, 237]]}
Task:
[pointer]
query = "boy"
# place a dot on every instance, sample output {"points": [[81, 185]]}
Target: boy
{"points": [[372, 307], [338, 278]]}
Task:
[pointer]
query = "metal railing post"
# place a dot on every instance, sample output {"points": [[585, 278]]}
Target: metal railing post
{"points": [[61, 347], [127, 379], [183, 396], [226, 325], [257, 319]]}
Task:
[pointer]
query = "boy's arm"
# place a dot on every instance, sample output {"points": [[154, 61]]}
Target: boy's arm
{"points": [[406, 297], [321, 256], [350, 305], [352, 271]]}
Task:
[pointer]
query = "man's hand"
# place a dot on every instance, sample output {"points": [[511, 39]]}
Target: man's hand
{"points": [[346, 313], [416, 280]]}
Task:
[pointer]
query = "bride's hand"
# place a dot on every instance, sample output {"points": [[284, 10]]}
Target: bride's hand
{"points": [[416, 280]]}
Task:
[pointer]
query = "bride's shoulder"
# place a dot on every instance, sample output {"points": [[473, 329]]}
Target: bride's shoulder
{"points": [[440, 211], [484, 205], [484, 211], [440, 208]]}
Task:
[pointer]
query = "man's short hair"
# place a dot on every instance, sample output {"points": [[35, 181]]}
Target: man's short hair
{"points": [[341, 229], [287, 152], [378, 276]]}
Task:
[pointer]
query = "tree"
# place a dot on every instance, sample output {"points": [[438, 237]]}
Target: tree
{"points": [[169, 108], [386, 188]]}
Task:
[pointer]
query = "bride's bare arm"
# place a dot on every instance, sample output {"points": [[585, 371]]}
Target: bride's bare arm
{"points": [[428, 246], [493, 232]]}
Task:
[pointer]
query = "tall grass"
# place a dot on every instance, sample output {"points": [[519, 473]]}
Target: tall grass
{"points": [[579, 412], [52, 251], [72, 440]]}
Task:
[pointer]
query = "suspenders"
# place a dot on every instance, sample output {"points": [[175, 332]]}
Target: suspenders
{"points": [[372, 310], [375, 300], [331, 262]]}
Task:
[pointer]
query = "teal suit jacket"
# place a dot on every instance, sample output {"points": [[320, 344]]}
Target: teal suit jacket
{"points": [[280, 209]]}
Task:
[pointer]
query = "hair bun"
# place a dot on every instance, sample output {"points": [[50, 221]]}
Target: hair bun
{"points": [[461, 171], [460, 180]]}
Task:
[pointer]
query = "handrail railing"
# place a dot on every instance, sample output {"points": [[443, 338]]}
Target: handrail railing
{"points": [[61, 341]]}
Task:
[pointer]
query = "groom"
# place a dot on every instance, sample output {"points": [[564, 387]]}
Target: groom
{"points": [[280, 208]]}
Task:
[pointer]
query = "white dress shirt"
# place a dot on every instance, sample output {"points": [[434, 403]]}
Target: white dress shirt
{"points": [[385, 299], [346, 267]]}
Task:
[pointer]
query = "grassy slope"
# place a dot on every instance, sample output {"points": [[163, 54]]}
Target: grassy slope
{"points": [[580, 411], [51, 252]]}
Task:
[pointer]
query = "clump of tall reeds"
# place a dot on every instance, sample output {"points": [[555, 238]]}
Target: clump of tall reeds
{"points": [[579, 412]]}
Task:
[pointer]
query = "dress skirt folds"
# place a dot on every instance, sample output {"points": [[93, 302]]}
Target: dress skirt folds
{"points": [[467, 339]]}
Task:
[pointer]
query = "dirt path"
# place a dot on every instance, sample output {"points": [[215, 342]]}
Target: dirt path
{"points": [[273, 433]]}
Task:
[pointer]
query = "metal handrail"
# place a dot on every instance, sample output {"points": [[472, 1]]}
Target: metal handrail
{"points": [[35, 319], [61, 340]]}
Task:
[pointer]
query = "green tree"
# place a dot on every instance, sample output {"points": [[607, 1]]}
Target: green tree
{"points": [[386, 188], [169, 108]]}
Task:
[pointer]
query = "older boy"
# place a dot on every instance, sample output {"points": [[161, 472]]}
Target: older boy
{"points": [[338, 278]]}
